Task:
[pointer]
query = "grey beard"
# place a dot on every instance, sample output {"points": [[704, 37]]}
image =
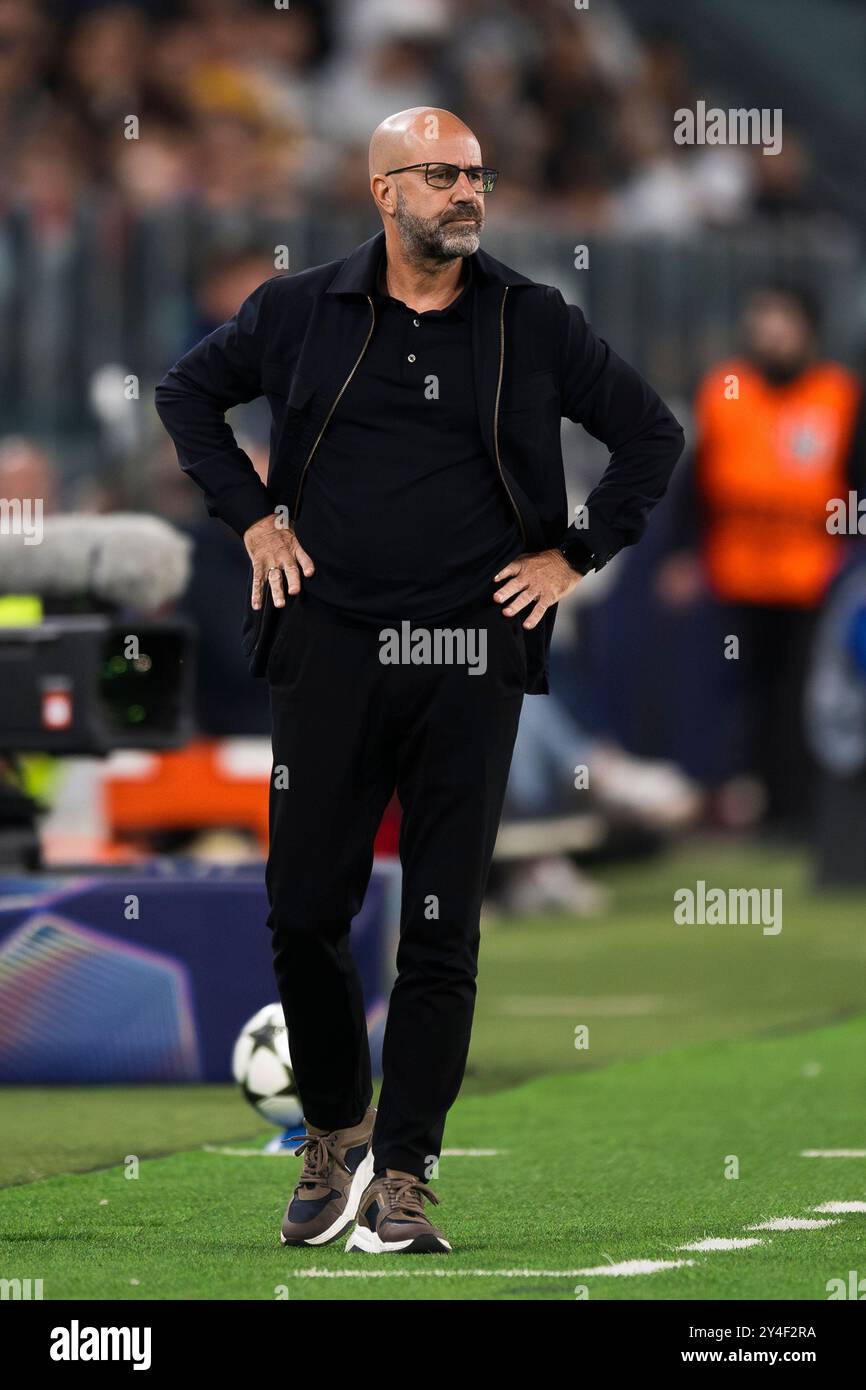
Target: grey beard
{"points": [[426, 239]]}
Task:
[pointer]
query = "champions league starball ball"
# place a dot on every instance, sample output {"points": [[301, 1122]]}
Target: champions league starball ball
{"points": [[263, 1069]]}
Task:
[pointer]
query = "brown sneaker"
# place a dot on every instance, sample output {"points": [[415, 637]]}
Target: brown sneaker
{"points": [[338, 1165], [392, 1219]]}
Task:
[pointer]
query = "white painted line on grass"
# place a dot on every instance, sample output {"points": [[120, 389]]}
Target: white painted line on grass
{"points": [[435, 1273], [791, 1223], [841, 1206], [833, 1153], [473, 1153], [721, 1243], [628, 1267], [624, 1269]]}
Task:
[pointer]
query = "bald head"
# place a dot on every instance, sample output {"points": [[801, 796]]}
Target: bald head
{"points": [[419, 134], [429, 224]]}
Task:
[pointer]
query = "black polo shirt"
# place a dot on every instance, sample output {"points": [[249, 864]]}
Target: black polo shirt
{"points": [[403, 511]]}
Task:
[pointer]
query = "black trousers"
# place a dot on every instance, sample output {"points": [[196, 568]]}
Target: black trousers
{"points": [[775, 648], [347, 730]]}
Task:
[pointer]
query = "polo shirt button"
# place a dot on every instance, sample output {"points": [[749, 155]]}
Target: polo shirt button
{"points": [[411, 357], [417, 323]]}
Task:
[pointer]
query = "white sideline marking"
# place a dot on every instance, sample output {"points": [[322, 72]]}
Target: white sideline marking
{"points": [[626, 1268], [841, 1206], [473, 1153], [721, 1243], [791, 1223], [833, 1153]]}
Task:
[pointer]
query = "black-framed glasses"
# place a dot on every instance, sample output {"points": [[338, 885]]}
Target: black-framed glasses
{"points": [[446, 175]]}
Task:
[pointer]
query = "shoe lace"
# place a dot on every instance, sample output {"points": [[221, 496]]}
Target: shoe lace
{"points": [[407, 1195], [318, 1158]]}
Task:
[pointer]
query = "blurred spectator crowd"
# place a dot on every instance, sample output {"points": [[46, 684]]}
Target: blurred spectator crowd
{"points": [[240, 103]]}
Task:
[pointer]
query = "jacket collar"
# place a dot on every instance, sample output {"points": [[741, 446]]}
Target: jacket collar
{"points": [[357, 274], [461, 306]]}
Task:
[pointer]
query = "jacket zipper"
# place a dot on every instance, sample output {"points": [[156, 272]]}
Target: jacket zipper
{"points": [[333, 408], [496, 416], [317, 440], [309, 457]]}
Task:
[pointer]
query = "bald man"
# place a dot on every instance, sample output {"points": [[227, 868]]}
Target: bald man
{"points": [[407, 555]]}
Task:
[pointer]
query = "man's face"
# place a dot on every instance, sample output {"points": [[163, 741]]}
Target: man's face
{"points": [[777, 333], [440, 224]]}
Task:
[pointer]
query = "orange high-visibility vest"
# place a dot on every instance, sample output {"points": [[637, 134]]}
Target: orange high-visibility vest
{"points": [[769, 461]]}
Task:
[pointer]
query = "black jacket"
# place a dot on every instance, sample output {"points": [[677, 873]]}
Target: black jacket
{"points": [[298, 338]]}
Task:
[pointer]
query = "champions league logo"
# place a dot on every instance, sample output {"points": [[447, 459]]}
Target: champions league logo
{"points": [[808, 440]]}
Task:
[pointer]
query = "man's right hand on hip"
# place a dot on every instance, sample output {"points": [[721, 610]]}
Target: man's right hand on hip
{"points": [[275, 552]]}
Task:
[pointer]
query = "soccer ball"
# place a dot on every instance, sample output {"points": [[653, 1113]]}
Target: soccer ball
{"points": [[263, 1069]]}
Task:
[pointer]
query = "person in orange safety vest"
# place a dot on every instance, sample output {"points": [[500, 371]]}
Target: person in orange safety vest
{"points": [[773, 464]]}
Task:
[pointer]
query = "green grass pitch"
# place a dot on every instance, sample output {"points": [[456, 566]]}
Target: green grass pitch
{"points": [[707, 1045]]}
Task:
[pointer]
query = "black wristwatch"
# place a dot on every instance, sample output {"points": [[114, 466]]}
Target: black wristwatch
{"points": [[579, 555]]}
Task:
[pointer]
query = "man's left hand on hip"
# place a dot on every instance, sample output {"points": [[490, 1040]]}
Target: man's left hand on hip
{"points": [[541, 580]]}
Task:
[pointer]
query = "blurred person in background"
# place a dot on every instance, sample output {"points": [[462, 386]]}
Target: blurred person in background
{"points": [[105, 71], [227, 702], [25, 48], [28, 471], [226, 277], [773, 447], [385, 56], [579, 96], [554, 755]]}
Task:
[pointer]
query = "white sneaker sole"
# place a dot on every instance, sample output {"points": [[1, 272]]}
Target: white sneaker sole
{"points": [[362, 1238], [361, 1180]]}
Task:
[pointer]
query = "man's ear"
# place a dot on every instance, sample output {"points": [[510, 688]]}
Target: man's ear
{"points": [[384, 195]]}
